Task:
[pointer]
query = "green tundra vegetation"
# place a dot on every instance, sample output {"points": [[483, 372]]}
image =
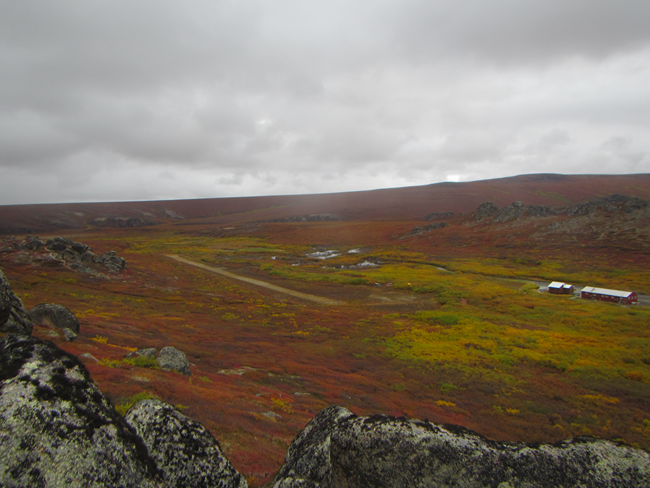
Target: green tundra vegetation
{"points": [[467, 340]]}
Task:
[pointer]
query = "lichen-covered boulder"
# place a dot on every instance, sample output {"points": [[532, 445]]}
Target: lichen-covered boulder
{"points": [[307, 462], [184, 451], [171, 359], [13, 316], [54, 315], [382, 451], [56, 427]]}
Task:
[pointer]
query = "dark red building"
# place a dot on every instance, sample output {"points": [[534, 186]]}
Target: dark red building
{"points": [[605, 295]]}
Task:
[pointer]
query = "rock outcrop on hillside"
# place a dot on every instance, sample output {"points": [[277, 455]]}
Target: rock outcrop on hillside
{"points": [[337, 448], [517, 210], [437, 215], [485, 210], [612, 203], [62, 251], [425, 229], [123, 222], [320, 217], [193, 459], [13, 316]]}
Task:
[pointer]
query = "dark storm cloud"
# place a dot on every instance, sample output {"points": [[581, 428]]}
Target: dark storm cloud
{"points": [[223, 98]]}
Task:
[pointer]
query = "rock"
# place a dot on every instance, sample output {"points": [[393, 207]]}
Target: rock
{"points": [[307, 462], [171, 359], [633, 204], [437, 215], [485, 210], [184, 451], [58, 243], [417, 230], [33, 243], [338, 448], [87, 257], [149, 353], [320, 217], [612, 203], [539, 211], [173, 215], [89, 357], [69, 335], [79, 247], [111, 261], [122, 222], [13, 316], [515, 210], [56, 427], [54, 315]]}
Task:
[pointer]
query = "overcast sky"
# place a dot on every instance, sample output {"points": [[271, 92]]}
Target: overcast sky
{"points": [[138, 100]]}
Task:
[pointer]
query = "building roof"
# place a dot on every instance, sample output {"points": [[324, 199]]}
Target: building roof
{"points": [[557, 284], [605, 291]]}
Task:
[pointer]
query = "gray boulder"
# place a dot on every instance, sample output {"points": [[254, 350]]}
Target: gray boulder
{"points": [[56, 427], [69, 335], [485, 210], [339, 449], [58, 244], [13, 316], [308, 462], [184, 451], [171, 359], [54, 315]]}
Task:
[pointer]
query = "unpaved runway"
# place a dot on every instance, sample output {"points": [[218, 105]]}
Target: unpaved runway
{"points": [[263, 284]]}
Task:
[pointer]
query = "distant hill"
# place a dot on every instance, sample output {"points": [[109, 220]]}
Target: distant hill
{"points": [[387, 204]]}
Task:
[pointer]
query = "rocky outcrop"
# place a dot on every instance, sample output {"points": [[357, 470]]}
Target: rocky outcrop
{"points": [[515, 210], [539, 211], [338, 448], [485, 210], [111, 261], [612, 203], [54, 315], [194, 458], [80, 257], [13, 316], [56, 427], [437, 215], [320, 217], [171, 359], [123, 222], [425, 229]]}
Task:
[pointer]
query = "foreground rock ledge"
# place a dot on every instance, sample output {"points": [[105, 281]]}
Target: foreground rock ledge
{"points": [[58, 430], [184, 451], [56, 427], [339, 449]]}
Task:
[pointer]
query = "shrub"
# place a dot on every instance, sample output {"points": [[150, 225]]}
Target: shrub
{"points": [[125, 405]]}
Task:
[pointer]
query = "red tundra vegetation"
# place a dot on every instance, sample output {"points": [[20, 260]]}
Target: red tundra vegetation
{"points": [[445, 324]]}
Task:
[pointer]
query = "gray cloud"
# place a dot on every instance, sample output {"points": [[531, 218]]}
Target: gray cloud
{"points": [[204, 99]]}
